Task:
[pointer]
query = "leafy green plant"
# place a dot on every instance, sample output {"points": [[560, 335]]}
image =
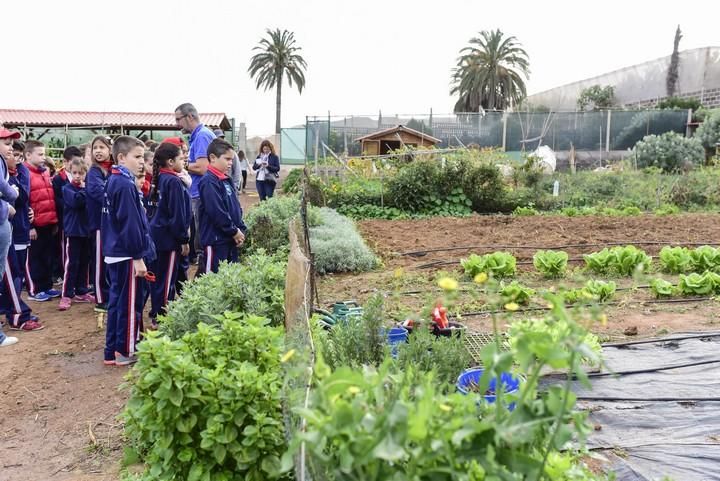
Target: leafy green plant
{"points": [[709, 131], [358, 341], [424, 351], [338, 247], [667, 209], [675, 260], [268, 223], [600, 291], [291, 182], [553, 329], [496, 264], [516, 292], [383, 424], [661, 288], [208, 406], [551, 264], [705, 258], [255, 286], [669, 151], [699, 284], [525, 211], [623, 260], [369, 211]]}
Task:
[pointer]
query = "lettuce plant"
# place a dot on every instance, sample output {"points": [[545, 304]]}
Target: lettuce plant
{"points": [[551, 264]]}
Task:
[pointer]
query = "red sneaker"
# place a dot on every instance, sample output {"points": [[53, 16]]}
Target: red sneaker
{"points": [[84, 298], [65, 304], [29, 326]]}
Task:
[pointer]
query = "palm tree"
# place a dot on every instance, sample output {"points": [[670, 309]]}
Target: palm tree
{"points": [[277, 57], [489, 73]]}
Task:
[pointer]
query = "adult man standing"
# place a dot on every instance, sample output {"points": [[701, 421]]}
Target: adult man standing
{"points": [[187, 119]]}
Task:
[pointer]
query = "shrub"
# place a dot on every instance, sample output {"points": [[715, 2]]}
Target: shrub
{"points": [[338, 247], [669, 151], [678, 103], [368, 211], [291, 183], [268, 222], [253, 287], [353, 191], [709, 131], [208, 406]]}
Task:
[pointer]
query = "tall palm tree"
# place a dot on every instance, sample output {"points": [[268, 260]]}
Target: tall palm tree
{"points": [[489, 73], [277, 57]]}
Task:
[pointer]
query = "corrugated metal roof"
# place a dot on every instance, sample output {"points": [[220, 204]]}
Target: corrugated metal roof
{"points": [[50, 118]]}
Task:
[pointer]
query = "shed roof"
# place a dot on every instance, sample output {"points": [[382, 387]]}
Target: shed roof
{"points": [[146, 120], [398, 128]]}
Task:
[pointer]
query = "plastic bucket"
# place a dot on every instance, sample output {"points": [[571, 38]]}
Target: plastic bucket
{"points": [[395, 336], [510, 384]]}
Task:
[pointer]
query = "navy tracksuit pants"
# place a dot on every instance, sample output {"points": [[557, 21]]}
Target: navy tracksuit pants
{"points": [[99, 270], [218, 253], [41, 253], [23, 267], [76, 266], [125, 306], [11, 304], [162, 290]]}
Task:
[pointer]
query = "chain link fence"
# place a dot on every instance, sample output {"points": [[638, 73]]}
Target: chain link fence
{"points": [[602, 131]]}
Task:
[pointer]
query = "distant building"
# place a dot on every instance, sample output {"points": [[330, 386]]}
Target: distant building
{"points": [[643, 85]]}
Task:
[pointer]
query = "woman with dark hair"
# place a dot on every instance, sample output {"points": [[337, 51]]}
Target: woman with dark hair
{"points": [[266, 168]]}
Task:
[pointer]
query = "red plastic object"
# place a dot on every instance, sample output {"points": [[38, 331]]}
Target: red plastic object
{"points": [[439, 315], [149, 276]]}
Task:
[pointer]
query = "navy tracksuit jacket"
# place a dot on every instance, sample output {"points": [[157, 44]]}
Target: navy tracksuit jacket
{"points": [[77, 244], [220, 218], [95, 181], [21, 222], [125, 235], [169, 229]]}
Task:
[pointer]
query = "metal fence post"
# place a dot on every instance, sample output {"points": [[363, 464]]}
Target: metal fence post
{"points": [[504, 138], [607, 133]]}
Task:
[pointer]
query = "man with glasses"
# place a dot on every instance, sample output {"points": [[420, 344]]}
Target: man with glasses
{"points": [[188, 121]]}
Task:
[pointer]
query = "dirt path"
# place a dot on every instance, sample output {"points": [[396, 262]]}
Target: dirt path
{"points": [[60, 404]]}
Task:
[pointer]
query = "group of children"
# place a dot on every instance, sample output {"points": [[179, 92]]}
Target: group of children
{"points": [[123, 214]]}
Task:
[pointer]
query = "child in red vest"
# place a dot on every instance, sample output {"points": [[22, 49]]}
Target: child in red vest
{"points": [[44, 225]]}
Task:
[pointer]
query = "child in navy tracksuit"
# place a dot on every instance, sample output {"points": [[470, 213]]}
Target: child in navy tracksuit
{"points": [[169, 224], [222, 228], [126, 242], [60, 180], [77, 243], [95, 191], [18, 313]]}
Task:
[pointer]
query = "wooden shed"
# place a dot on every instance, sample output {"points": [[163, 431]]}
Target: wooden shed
{"points": [[384, 141]]}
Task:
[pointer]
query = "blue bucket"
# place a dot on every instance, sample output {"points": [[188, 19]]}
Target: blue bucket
{"points": [[395, 336], [510, 383]]}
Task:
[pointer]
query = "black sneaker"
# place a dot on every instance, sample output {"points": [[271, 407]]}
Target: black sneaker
{"points": [[102, 307]]}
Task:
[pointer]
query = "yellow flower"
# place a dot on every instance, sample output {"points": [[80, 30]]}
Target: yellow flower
{"points": [[398, 273], [448, 284], [287, 356], [445, 408], [512, 306], [603, 319], [550, 305], [480, 278], [353, 390]]}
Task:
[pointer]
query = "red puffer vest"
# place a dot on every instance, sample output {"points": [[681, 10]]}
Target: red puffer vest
{"points": [[42, 197]]}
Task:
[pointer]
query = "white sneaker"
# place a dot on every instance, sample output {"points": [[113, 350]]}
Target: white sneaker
{"points": [[8, 341]]}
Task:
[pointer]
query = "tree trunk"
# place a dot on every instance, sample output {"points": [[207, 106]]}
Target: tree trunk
{"points": [[278, 94]]}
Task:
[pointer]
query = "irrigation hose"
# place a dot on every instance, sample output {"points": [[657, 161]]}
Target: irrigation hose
{"points": [[565, 246], [613, 303], [647, 399], [664, 339]]}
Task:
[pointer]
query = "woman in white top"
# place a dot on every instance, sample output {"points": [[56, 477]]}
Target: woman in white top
{"points": [[266, 168]]}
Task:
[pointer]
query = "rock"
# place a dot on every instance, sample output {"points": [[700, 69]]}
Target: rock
{"points": [[631, 331]]}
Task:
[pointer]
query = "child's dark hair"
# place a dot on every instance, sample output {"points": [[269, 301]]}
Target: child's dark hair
{"points": [[71, 152], [105, 140], [124, 144], [31, 145], [163, 155], [218, 147], [19, 146], [77, 161]]}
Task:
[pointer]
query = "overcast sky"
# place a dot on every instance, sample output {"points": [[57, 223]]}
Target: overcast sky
{"points": [[362, 55]]}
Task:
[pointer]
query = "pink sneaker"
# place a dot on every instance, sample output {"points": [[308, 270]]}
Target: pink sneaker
{"points": [[65, 303], [29, 326], [84, 298]]}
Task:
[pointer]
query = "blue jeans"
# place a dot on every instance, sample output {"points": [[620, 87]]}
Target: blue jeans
{"points": [[264, 189], [5, 240]]}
